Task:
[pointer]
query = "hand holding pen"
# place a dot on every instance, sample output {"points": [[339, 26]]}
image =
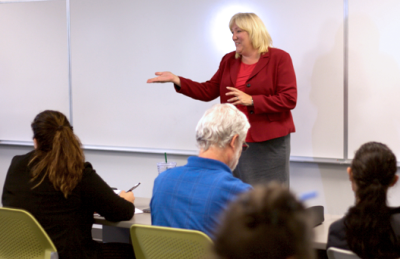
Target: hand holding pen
{"points": [[129, 196]]}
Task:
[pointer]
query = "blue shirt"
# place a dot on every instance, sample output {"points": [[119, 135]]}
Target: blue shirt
{"points": [[193, 196]]}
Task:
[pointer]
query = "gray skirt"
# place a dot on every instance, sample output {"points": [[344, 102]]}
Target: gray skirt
{"points": [[265, 161]]}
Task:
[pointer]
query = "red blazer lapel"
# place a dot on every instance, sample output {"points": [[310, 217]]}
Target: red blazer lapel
{"points": [[262, 62], [234, 70]]}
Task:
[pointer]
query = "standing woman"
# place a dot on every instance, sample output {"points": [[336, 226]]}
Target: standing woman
{"points": [[261, 82], [62, 192], [370, 228]]}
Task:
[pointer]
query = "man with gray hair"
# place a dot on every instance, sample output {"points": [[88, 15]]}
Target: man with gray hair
{"points": [[193, 196]]}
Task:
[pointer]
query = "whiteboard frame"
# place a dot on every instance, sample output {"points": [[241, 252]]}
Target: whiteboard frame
{"points": [[346, 79]]}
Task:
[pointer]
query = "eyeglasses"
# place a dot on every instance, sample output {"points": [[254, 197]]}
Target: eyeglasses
{"points": [[245, 146]]}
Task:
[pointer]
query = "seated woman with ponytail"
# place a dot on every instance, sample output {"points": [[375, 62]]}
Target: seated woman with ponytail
{"points": [[370, 228], [62, 192]]}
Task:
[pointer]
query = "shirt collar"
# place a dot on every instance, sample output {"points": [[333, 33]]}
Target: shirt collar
{"points": [[207, 163]]}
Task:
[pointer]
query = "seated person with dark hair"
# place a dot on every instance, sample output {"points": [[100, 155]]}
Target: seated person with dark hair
{"points": [[267, 222], [370, 228], [193, 196], [62, 192]]}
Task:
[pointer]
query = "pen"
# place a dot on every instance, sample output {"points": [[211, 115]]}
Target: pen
{"points": [[134, 187]]}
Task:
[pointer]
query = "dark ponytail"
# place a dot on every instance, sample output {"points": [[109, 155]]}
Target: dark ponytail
{"points": [[58, 155], [368, 229]]}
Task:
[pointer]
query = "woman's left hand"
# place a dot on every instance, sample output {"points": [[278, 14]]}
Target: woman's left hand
{"points": [[239, 97]]}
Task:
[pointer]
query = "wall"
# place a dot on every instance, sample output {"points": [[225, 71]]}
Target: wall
{"points": [[124, 169], [116, 45], [34, 54]]}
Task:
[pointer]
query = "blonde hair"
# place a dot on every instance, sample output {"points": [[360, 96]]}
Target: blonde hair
{"points": [[254, 26]]}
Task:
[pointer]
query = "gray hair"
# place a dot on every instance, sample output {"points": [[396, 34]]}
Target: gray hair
{"points": [[219, 125]]}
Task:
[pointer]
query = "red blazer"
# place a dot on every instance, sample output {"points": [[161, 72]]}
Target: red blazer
{"points": [[272, 85]]}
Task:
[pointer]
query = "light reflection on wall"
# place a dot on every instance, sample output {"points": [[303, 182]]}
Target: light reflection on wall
{"points": [[219, 27]]}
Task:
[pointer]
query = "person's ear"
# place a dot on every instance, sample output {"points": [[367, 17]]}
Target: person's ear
{"points": [[34, 143], [395, 178], [350, 173], [353, 184], [233, 143]]}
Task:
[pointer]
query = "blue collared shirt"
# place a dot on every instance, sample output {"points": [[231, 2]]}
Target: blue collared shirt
{"points": [[193, 196]]}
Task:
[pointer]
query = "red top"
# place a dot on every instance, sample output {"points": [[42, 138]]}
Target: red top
{"points": [[272, 84], [244, 74]]}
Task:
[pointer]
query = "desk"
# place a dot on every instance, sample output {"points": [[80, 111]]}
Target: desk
{"points": [[321, 232], [142, 218], [119, 231]]}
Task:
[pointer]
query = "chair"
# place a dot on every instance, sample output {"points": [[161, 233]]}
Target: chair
{"points": [[336, 253], [23, 237], [317, 215], [164, 242]]}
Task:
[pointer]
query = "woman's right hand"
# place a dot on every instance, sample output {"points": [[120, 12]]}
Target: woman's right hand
{"points": [[129, 196], [165, 77]]}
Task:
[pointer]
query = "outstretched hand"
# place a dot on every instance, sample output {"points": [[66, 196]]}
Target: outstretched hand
{"points": [[165, 77]]}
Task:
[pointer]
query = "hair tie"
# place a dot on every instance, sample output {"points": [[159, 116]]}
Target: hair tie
{"points": [[60, 127]]}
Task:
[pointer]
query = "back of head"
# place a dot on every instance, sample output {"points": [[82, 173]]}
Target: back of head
{"points": [[266, 222], [374, 164], [218, 126], [256, 29], [368, 229], [58, 153]]}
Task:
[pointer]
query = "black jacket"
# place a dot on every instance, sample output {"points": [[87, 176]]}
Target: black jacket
{"points": [[337, 231], [69, 221]]}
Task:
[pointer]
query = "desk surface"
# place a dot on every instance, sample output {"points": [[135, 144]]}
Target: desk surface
{"points": [[320, 232], [142, 218]]}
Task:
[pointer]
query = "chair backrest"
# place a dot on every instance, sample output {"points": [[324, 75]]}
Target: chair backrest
{"points": [[337, 253], [164, 242], [317, 215], [21, 236]]}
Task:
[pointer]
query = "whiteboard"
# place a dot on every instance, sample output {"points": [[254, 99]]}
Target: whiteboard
{"points": [[33, 64], [116, 45], [374, 73], [311, 32]]}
